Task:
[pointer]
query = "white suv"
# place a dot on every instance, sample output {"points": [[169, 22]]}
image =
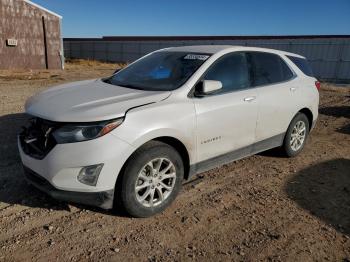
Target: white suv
{"points": [[133, 138]]}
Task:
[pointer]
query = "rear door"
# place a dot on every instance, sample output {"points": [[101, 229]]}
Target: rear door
{"points": [[276, 89], [226, 120]]}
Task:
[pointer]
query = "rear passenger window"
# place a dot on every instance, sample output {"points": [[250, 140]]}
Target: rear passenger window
{"points": [[268, 69], [302, 64], [232, 71]]}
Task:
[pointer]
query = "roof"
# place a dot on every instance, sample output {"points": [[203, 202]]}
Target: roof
{"points": [[208, 49], [209, 38], [42, 8], [212, 49]]}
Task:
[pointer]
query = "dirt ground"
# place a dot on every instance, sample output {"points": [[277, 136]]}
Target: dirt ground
{"points": [[263, 208]]}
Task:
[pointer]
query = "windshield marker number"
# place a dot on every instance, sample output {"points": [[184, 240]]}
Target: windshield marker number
{"points": [[196, 57]]}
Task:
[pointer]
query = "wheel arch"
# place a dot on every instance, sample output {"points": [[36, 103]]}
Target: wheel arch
{"points": [[306, 111], [180, 148], [169, 140]]}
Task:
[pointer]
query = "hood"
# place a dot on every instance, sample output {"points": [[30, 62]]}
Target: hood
{"points": [[88, 101]]}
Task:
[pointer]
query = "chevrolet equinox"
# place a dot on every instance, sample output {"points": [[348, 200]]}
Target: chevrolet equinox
{"points": [[134, 137]]}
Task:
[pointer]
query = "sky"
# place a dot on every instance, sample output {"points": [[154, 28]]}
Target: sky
{"points": [[93, 18]]}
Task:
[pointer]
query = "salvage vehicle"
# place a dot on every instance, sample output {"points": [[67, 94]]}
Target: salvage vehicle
{"points": [[131, 139]]}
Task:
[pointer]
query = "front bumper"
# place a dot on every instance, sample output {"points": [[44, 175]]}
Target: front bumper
{"points": [[103, 199], [56, 174]]}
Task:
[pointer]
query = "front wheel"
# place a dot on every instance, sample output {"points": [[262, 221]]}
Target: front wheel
{"points": [[151, 179], [296, 135]]}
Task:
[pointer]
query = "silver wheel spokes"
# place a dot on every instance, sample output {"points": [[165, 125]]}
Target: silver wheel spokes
{"points": [[155, 182], [298, 135]]}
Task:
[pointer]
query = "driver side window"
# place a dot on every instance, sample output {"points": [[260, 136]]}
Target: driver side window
{"points": [[232, 71]]}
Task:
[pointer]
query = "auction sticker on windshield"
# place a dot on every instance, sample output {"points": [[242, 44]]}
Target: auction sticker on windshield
{"points": [[196, 57]]}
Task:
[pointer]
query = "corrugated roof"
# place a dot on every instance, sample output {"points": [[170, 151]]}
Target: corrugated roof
{"points": [[42, 8]]}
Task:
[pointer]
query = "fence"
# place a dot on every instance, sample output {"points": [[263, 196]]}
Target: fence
{"points": [[329, 56]]}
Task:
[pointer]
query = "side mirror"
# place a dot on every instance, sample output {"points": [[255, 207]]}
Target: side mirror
{"points": [[207, 87]]}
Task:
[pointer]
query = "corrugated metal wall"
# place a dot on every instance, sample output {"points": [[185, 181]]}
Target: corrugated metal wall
{"points": [[329, 57]]}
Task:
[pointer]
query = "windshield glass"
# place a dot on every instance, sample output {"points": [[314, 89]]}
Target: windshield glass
{"points": [[160, 71]]}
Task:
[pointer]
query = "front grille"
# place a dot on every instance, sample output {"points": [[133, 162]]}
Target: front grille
{"points": [[36, 138]]}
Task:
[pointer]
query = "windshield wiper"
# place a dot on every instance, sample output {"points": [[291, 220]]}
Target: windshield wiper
{"points": [[109, 81], [130, 86]]}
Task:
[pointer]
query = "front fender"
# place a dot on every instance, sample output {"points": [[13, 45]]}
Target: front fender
{"points": [[175, 120]]}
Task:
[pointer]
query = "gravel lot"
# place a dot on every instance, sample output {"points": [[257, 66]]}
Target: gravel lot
{"points": [[264, 207]]}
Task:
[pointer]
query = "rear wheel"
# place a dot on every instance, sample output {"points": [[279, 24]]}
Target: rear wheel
{"points": [[296, 135], [151, 179]]}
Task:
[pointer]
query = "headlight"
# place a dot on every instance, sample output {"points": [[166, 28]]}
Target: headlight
{"points": [[71, 133]]}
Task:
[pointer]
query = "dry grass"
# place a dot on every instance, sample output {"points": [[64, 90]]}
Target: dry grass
{"points": [[71, 65], [343, 88]]}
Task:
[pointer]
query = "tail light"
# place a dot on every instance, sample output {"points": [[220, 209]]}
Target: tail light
{"points": [[318, 85]]}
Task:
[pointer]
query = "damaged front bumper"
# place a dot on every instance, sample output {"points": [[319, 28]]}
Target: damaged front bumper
{"points": [[103, 199]]}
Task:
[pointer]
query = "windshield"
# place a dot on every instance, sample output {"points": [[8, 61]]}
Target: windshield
{"points": [[160, 71]]}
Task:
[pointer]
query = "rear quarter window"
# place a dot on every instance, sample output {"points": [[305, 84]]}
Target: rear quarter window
{"points": [[302, 64]]}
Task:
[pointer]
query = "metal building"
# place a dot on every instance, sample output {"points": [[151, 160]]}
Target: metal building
{"points": [[329, 55], [30, 36]]}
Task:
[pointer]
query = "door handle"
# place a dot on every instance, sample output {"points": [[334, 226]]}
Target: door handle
{"points": [[293, 89], [249, 99]]}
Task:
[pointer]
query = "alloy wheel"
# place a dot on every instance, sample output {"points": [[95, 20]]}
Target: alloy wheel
{"points": [[298, 136], [155, 182]]}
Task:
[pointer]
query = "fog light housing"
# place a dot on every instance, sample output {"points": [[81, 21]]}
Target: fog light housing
{"points": [[89, 175]]}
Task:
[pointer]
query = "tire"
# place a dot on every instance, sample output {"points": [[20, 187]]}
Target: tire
{"points": [[139, 172], [290, 148]]}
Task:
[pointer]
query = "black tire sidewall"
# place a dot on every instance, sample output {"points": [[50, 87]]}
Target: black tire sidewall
{"points": [[136, 162], [286, 144]]}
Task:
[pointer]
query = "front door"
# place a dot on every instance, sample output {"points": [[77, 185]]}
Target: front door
{"points": [[226, 120]]}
